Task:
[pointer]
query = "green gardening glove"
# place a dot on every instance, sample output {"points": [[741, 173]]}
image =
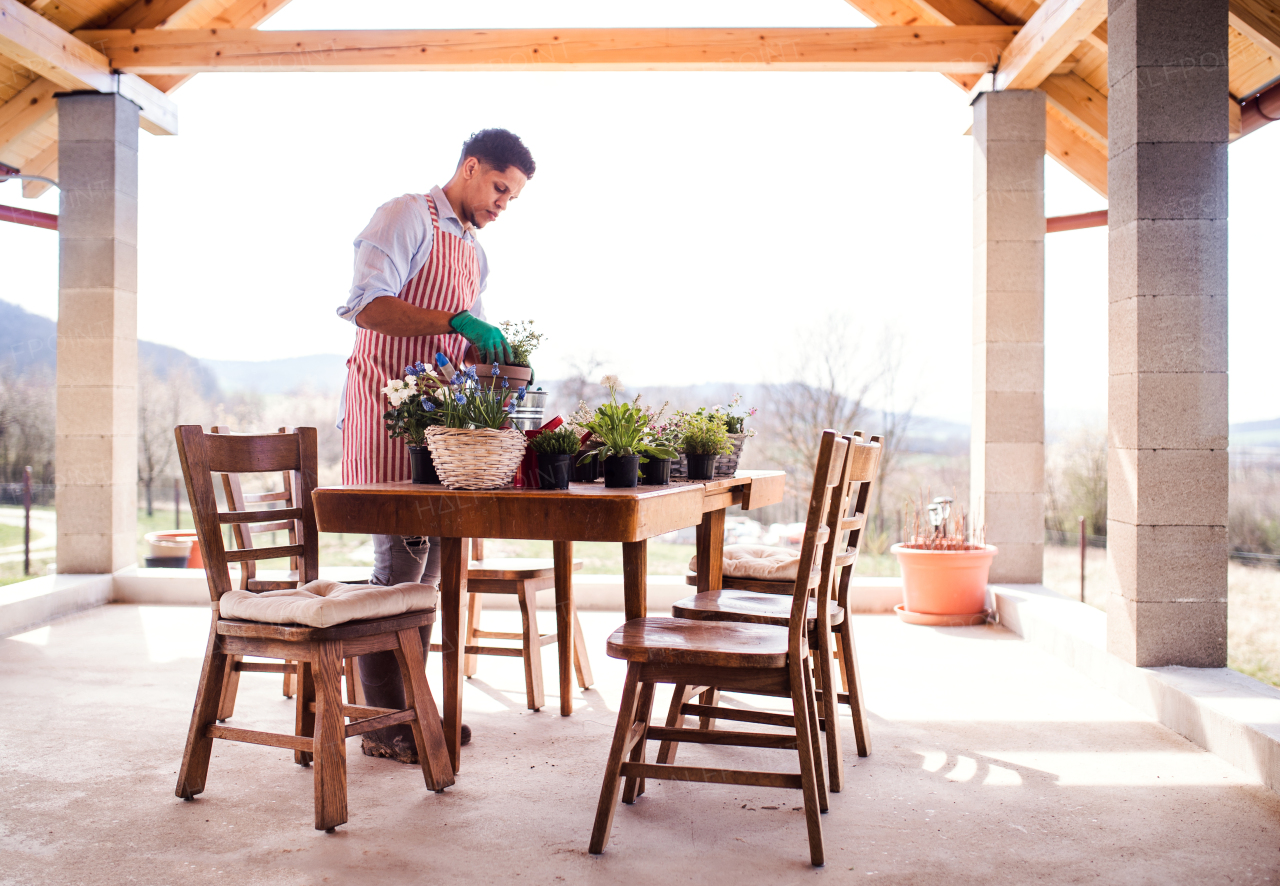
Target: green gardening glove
{"points": [[488, 339]]}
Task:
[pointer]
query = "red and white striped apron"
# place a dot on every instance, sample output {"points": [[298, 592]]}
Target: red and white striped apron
{"points": [[449, 281]]}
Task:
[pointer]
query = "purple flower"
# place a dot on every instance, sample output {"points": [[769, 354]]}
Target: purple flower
{"points": [[494, 370], [411, 370], [461, 399], [428, 406], [458, 378], [511, 407], [505, 383]]}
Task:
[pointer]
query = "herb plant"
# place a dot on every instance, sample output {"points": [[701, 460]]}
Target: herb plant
{"points": [[561, 441], [622, 429], [523, 340], [705, 433]]}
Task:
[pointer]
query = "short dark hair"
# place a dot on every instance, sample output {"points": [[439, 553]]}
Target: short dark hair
{"points": [[499, 149]]}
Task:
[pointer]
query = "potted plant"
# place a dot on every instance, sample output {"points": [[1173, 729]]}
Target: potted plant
{"points": [[666, 433], [705, 438], [524, 341], [473, 445], [735, 424], [584, 470], [944, 566], [415, 406], [623, 432], [555, 450]]}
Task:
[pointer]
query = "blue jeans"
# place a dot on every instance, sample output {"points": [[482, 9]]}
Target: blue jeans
{"points": [[397, 560]]}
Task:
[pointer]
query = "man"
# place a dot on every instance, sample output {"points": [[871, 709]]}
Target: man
{"points": [[419, 274]]}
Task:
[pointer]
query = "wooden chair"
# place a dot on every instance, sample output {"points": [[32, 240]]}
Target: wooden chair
{"points": [[320, 733], [767, 602], [760, 659], [242, 539], [523, 577]]}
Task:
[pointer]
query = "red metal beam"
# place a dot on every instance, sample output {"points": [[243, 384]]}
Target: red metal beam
{"points": [[1075, 222], [28, 217]]}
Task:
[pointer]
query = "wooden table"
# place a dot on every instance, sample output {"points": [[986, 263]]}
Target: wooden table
{"points": [[584, 512]]}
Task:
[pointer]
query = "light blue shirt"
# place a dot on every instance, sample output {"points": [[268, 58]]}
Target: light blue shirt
{"points": [[392, 249]]}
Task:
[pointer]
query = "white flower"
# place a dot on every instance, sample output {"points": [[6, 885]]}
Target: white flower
{"points": [[410, 380], [611, 382]]}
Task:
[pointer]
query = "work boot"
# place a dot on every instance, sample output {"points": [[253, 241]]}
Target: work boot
{"points": [[397, 744]]}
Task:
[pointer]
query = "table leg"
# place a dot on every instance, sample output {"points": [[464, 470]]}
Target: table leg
{"points": [[635, 570], [562, 551], [454, 558], [711, 551]]}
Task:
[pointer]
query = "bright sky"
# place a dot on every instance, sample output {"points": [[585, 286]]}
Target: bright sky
{"points": [[687, 227]]}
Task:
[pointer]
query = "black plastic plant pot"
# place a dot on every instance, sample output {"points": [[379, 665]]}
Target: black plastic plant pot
{"points": [[621, 471], [701, 467], [587, 471], [657, 472], [554, 471], [421, 468]]}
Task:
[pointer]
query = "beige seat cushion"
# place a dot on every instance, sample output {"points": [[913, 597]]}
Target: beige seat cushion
{"points": [[758, 562], [325, 603]]}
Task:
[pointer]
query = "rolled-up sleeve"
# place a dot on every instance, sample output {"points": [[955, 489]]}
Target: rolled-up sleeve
{"points": [[389, 251]]}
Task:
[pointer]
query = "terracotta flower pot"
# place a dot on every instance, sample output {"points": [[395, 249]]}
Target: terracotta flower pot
{"points": [[516, 376], [941, 584]]}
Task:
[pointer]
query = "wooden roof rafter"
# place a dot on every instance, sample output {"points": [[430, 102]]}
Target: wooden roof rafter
{"points": [[945, 49]]}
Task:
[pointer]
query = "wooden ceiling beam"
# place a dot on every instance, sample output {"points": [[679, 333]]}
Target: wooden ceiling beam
{"points": [[961, 50], [45, 163], [1259, 20], [151, 13], [911, 13], [1078, 101], [1048, 37], [30, 107], [1079, 153], [240, 14], [41, 46]]}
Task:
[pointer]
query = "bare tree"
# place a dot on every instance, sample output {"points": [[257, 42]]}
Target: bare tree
{"points": [[582, 383], [897, 412], [163, 404], [26, 423]]}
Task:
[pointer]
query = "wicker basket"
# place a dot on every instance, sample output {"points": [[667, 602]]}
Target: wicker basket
{"points": [[726, 465], [475, 459]]}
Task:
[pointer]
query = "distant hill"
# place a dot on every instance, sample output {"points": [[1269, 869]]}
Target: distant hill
{"points": [[1257, 433], [320, 372], [29, 341]]}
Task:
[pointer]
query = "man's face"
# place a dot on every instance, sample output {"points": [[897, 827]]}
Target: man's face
{"points": [[487, 191]]}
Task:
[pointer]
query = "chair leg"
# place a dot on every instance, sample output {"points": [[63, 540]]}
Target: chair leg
{"points": [[709, 697], [230, 686], [680, 696], [534, 687], [853, 684], [195, 756], [613, 768], [428, 734], [815, 741], [470, 662], [633, 787], [290, 680], [808, 769], [330, 746], [825, 674], [581, 663], [305, 722]]}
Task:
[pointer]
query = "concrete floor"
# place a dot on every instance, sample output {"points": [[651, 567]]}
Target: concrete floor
{"points": [[991, 762]]}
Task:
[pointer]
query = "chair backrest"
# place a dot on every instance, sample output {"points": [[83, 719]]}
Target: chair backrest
{"points": [[864, 468], [242, 533], [827, 476], [203, 455]]}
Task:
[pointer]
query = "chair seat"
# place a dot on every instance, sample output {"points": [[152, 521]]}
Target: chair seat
{"points": [[746, 606], [758, 562], [679, 641], [324, 603], [351, 630], [514, 568]]}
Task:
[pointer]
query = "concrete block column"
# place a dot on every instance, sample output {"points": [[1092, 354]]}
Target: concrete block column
{"points": [[1167, 427], [97, 449], [1007, 442]]}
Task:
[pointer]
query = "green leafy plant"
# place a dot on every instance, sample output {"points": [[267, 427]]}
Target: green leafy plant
{"points": [[705, 433], [666, 432], [733, 423], [561, 441], [622, 429], [415, 405], [523, 340]]}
